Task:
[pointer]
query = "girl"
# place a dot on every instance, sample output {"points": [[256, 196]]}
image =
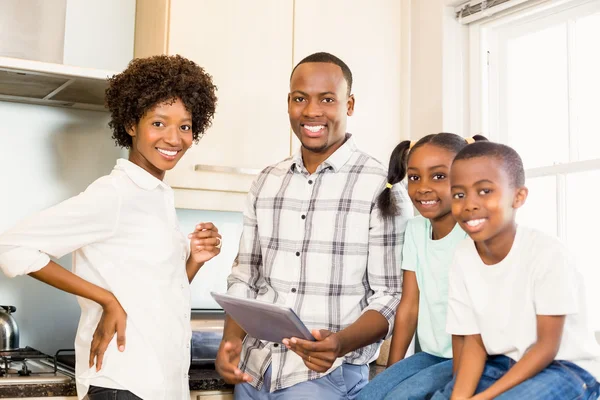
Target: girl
{"points": [[132, 263], [430, 240]]}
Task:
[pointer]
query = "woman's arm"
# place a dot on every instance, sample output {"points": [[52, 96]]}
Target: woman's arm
{"points": [[406, 318], [472, 362], [538, 357], [203, 247], [114, 318]]}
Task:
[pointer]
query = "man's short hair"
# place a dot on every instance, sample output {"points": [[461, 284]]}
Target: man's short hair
{"points": [[323, 57]]}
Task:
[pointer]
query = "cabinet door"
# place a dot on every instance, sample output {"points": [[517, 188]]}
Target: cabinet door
{"points": [[247, 47], [366, 36], [211, 395]]}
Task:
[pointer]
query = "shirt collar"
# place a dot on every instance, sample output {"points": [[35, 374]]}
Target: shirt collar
{"points": [[138, 175], [336, 161]]}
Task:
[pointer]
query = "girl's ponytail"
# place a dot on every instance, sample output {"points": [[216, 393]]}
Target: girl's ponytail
{"points": [[396, 173]]}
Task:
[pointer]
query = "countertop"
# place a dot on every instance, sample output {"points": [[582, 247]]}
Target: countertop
{"points": [[201, 378]]}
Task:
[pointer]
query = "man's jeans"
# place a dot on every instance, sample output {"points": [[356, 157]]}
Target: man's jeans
{"points": [[415, 377], [561, 380], [342, 383]]}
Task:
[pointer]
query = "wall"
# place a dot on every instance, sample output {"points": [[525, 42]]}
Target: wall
{"points": [[435, 95]]}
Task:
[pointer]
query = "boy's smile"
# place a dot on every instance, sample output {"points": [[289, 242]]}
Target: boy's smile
{"points": [[484, 199]]}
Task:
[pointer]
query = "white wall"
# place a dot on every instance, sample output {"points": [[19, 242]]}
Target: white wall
{"points": [[48, 155], [435, 94]]}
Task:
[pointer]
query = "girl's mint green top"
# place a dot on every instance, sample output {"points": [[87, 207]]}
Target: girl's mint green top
{"points": [[430, 260]]}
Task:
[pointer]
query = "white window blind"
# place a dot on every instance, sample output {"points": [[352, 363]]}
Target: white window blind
{"points": [[477, 10]]}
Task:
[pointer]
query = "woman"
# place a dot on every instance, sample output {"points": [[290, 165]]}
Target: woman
{"points": [[132, 263]]}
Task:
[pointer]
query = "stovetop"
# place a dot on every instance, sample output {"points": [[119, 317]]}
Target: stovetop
{"points": [[30, 366]]}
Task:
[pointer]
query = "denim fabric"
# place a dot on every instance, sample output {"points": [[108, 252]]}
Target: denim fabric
{"points": [[100, 393], [561, 380], [345, 382], [415, 377]]}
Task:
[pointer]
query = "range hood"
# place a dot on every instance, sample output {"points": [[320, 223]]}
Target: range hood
{"points": [[34, 82]]}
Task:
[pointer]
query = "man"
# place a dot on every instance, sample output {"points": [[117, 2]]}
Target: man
{"points": [[314, 240]]}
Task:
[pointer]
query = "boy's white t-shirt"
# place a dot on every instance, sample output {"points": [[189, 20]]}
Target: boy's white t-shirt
{"points": [[500, 302]]}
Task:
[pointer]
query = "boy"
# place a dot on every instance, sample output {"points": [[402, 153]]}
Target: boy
{"points": [[513, 292]]}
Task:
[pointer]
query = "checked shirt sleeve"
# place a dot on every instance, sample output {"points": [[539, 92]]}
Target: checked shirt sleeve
{"points": [[386, 239], [245, 272]]}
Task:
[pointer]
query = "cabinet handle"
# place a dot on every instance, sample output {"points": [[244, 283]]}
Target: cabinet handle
{"points": [[226, 170]]}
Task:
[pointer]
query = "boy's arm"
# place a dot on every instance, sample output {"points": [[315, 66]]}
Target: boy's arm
{"points": [[406, 318], [458, 341], [538, 357], [472, 362]]}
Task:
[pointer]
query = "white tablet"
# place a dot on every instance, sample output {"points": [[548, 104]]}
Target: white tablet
{"points": [[264, 321]]}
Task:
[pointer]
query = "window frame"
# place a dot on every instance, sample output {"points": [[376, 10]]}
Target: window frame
{"points": [[485, 93]]}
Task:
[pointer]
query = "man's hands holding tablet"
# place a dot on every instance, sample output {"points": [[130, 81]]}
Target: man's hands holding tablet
{"points": [[319, 355]]}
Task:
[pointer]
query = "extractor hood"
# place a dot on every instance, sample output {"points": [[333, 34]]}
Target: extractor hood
{"points": [[34, 82]]}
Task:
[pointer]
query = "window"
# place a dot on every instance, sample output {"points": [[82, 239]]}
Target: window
{"points": [[536, 81]]}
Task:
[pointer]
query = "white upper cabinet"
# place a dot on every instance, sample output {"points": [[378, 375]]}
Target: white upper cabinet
{"points": [[366, 36], [247, 48]]}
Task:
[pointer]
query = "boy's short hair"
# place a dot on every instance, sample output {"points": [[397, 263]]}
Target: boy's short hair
{"points": [[147, 82], [511, 161], [324, 57]]}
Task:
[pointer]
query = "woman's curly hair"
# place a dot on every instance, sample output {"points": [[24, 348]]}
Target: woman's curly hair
{"points": [[147, 82]]}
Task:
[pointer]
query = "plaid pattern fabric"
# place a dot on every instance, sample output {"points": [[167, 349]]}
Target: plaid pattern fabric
{"points": [[317, 244]]}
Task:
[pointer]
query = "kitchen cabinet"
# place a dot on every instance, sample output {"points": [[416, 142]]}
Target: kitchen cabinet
{"points": [[246, 47], [211, 395], [250, 48]]}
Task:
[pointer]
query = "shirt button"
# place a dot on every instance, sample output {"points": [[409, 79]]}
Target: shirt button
{"points": [[310, 182], [185, 316], [276, 345], [303, 216], [293, 290], [297, 254], [187, 345]]}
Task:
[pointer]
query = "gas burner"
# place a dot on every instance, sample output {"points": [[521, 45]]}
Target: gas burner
{"points": [[24, 371], [30, 366]]}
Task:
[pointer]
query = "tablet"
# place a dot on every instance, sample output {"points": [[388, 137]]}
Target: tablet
{"points": [[264, 321]]}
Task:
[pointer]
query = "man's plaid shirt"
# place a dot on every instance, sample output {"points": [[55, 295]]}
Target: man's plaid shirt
{"points": [[317, 243]]}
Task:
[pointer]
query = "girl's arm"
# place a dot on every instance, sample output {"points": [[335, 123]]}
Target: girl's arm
{"points": [[472, 362], [114, 318], [406, 318], [458, 341], [538, 357]]}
